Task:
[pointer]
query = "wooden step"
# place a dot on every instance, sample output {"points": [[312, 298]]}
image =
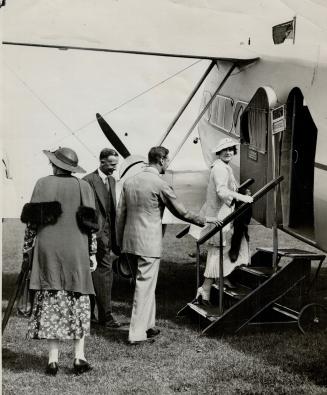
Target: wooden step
{"points": [[210, 312], [293, 253], [236, 293], [251, 276], [264, 296]]}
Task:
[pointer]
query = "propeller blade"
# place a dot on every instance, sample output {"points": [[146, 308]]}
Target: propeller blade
{"points": [[112, 137]]}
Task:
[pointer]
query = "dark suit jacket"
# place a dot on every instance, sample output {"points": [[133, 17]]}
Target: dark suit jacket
{"points": [[106, 209]]}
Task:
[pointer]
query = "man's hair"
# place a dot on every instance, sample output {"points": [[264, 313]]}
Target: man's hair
{"points": [[157, 153], [107, 152]]}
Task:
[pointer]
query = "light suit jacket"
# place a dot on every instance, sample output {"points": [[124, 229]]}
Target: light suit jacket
{"points": [[140, 210]]}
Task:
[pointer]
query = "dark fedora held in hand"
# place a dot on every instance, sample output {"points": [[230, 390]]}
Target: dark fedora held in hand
{"points": [[122, 267], [65, 158]]}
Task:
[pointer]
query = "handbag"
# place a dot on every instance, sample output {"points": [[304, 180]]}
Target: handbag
{"points": [[86, 217], [25, 296]]}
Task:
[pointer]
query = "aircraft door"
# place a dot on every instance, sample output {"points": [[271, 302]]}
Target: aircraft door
{"points": [[255, 155], [301, 134]]}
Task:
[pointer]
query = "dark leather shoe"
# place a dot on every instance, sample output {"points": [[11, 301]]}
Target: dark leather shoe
{"points": [[81, 366], [51, 369], [140, 342], [152, 332], [110, 323]]}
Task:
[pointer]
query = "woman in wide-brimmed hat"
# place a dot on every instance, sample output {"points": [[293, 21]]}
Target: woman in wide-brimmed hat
{"points": [[221, 193], [61, 267]]}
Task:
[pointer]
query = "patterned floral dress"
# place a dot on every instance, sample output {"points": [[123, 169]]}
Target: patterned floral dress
{"points": [[58, 314]]}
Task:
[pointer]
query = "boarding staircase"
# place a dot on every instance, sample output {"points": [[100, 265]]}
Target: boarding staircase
{"points": [[261, 289]]}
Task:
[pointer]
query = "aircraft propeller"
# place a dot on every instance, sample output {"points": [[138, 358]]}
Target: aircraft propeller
{"points": [[129, 159], [112, 137]]}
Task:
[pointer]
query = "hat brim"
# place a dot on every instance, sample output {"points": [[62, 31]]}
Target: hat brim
{"points": [[62, 165], [224, 146]]}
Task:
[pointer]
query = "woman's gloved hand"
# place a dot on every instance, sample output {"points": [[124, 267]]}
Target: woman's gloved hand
{"points": [[93, 263]]}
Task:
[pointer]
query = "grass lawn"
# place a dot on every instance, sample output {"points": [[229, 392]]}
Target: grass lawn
{"points": [[274, 361]]}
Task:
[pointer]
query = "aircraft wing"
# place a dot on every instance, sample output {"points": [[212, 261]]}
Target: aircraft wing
{"points": [[213, 30]]}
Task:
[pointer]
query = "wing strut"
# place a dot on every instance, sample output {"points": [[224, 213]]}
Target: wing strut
{"points": [[190, 97], [197, 120]]}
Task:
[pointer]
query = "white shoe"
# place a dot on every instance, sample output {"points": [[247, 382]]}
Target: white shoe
{"points": [[202, 296]]}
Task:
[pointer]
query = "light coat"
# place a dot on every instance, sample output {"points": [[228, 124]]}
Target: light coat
{"points": [[140, 211], [61, 253]]}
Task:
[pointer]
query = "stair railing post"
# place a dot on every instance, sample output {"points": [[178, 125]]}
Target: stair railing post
{"points": [[197, 266], [274, 175], [221, 272]]}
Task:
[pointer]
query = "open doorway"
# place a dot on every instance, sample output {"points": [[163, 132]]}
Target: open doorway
{"points": [[303, 137]]}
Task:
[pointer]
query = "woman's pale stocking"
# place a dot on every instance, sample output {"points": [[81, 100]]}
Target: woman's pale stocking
{"points": [[53, 350], [207, 283], [79, 348]]}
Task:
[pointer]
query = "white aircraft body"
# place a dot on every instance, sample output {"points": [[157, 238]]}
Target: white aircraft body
{"points": [[270, 97]]}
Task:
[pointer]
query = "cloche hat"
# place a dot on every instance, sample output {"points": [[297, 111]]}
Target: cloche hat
{"points": [[225, 143], [65, 158]]}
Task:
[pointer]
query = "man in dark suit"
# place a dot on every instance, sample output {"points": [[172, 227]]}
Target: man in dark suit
{"points": [[103, 185]]}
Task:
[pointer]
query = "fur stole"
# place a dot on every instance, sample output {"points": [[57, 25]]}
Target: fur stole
{"points": [[240, 229], [45, 213], [87, 219]]}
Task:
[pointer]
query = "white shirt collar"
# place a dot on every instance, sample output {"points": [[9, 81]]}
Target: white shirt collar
{"points": [[102, 176]]}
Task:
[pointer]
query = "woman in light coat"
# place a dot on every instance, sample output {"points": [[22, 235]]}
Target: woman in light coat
{"points": [[221, 195]]}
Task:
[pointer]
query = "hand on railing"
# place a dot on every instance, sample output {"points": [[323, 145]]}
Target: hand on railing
{"points": [[246, 199], [251, 199], [213, 220]]}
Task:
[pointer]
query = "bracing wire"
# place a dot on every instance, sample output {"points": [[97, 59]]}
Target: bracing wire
{"points": [[49, 109], [126, 102]]}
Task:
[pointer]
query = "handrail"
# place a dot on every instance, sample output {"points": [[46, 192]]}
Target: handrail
{"points": [[244, 184], [270, 185]]}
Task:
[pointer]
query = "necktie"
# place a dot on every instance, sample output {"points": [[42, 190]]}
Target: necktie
{"points": [[106, 183]]}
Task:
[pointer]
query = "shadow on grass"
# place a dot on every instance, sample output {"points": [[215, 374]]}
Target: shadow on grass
{"points": [[290, 350], [8, 284], [22, 362]]}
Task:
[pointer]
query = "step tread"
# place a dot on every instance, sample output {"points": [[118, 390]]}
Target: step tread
{"points": [[209, 312], [293, 252], [236, 293], [261, 271]]}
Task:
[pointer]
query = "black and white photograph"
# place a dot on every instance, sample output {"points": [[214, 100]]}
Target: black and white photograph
{"points": [[164, 196]]}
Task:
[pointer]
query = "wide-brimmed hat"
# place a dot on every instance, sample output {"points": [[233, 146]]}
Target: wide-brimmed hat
{"points": [[225, 143], [129, 162], [122, 266], [65, 158]]}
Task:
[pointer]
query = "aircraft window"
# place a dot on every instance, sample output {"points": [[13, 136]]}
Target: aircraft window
{"points": [[257, 127], [238, 111], [222, 113]]}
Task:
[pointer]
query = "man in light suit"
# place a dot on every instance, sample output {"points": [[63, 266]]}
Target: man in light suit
{"points": [[139, 234], [103, 185]]}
